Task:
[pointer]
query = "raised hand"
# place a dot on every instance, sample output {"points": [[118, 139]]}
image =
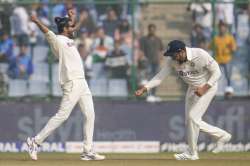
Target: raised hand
{"points": [[71, 12], [41, 26], [34, 18]]}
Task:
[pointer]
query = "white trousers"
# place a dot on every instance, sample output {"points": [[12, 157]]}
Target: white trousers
{"points": [[195, 107], [73, 91]]}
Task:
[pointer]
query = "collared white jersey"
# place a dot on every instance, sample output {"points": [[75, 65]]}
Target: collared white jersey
{"points": [[70, 62], [199, 69]]}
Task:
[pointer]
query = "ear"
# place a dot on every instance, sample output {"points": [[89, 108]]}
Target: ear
{"points": [[65, 29]]}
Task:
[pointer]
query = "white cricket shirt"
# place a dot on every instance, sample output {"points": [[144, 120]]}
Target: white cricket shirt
{"points": [[70, 62], [199, 69]]}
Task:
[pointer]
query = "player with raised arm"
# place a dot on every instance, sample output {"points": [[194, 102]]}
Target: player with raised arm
{"points": [[201, 72], [73, 83]]}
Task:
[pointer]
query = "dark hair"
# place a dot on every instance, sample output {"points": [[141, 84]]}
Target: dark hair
{"points": [[151, 26], [61, 22], [222, 23], [117, 41], [98, 28], [198, 26], [124, 28]]}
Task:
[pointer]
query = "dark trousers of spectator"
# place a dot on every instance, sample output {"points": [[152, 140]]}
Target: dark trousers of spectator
{"points": [[152, 71], [23, 39], [227, 70]]}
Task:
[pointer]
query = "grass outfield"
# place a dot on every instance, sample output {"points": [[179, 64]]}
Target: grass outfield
{"points": [[161, 159]]}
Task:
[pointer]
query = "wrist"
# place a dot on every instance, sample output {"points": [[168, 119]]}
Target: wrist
{"points": [[207, 86], [144, 89]]}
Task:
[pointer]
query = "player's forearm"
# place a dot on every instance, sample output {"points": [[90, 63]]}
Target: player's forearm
{"points": [[72, 17], [215, 75], [156, 81], [153, 83], [41, 26]]}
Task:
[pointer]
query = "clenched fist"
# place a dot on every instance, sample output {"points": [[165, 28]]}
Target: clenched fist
{"points": [[33, 18], [200, 91]]}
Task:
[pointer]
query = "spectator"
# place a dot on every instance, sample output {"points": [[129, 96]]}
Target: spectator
{"points": [[102, 44], [69, 4], [19, 25], [123, 30], [84, 54], [33, 37], [125, 36], [111, 23], [102, 7], [4, 17], [43, 12], [225, 13], [198, 38], [98, 58], [6, 48], [21, 66], [224, 45], [202, 14], [58, 9], [124, 27], [116, 62], [83, 51], [85, 40], [140, 61], [151, 45], [101, 35], [88, 23]]}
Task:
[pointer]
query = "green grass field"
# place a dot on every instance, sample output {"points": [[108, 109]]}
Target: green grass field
{"points": [[161, 159]]}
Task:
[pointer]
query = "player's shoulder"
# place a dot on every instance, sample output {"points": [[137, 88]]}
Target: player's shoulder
{"points": [[196, 49], [199, 55], [199, 52]]}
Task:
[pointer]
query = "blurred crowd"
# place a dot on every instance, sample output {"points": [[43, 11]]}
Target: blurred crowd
{"points": [[108, 43], [231, 21], [104, 41]]}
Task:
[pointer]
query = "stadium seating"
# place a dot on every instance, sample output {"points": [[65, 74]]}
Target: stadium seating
{"points": [[40, 54], [41, 72], [3, 67], [38, 88], [99, 87], [18, 88], [117, 88]]}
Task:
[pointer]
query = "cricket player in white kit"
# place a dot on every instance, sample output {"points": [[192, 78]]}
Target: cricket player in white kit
{"points": [[201, 72], [74, 87]]}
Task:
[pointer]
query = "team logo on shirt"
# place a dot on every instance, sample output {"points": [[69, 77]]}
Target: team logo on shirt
{"points": [[70, 44], [187, 73]]}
